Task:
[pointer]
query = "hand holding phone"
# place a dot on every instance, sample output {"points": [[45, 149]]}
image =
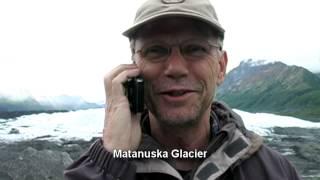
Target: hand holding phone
{"points": [[122, 128]]}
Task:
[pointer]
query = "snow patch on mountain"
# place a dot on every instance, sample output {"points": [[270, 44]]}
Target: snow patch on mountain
{"points": [[253, 63]]}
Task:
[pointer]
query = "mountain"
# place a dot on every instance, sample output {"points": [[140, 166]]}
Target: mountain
{"points": [[26, 104], [11, 107], [318, 74], [66, 102], [257, 86]]}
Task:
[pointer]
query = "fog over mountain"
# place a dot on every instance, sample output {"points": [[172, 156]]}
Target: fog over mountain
{"points": [[29, 103]]}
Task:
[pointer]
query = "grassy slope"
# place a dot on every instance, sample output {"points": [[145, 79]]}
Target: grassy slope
{"points": [[286, 91]]}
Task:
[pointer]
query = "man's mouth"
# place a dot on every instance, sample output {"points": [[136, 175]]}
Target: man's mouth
{"points": [[176, 95], [176, 92]]}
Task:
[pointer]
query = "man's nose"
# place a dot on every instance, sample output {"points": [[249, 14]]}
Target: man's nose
{"points": [[176, 66]]}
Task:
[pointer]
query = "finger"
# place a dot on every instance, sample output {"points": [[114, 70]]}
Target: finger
{"points": [[115, 72], [136, 117], [117, 82]]}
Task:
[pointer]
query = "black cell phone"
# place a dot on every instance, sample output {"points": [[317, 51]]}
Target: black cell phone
{"points": [[134, 90]]}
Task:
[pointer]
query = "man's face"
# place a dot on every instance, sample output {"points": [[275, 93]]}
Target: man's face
{"points": [[179, 87]]}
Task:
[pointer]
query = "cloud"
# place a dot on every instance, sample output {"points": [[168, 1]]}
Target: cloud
{"points": [[66, 47]]}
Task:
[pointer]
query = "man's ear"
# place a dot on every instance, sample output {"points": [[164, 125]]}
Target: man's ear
{"points": [[223, 61]]}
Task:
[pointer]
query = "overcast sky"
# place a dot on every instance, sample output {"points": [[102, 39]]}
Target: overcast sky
{"points": [[66, 46]]}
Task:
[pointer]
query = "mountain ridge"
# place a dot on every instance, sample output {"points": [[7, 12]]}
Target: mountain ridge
{"points": [[62, 102], [11, 107], [272, 88]]}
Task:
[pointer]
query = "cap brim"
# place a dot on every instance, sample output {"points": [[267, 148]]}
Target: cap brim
{"points": [[129, 32]]}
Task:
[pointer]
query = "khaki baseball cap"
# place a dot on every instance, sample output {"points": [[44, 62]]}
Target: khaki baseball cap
{"points": [[155, 9]]}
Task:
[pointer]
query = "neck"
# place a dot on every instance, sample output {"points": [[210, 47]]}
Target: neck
{"points": [[185, 138]]}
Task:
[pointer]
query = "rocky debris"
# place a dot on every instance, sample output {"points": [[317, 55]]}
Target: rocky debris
{"points": [[75, 148], [31, 164], [38, 159], [14, 131], [301, 146]]}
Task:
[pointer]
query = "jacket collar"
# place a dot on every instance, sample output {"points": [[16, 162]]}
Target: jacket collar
{"points": [[220, 116], [230, 144]]}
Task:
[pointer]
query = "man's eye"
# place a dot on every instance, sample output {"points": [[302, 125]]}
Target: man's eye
{"points": [[195, 50], [155, 52]]}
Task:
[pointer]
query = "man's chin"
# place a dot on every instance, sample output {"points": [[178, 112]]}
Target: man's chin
{"points": [[179, 118]]}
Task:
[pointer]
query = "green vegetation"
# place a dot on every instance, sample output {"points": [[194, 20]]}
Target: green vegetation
{"points": [[273, 88]]}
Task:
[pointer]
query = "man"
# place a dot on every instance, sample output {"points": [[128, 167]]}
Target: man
{"points": [[183, 134]]}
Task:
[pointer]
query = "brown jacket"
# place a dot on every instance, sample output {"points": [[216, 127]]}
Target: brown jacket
{"points": [[234, 153]]}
